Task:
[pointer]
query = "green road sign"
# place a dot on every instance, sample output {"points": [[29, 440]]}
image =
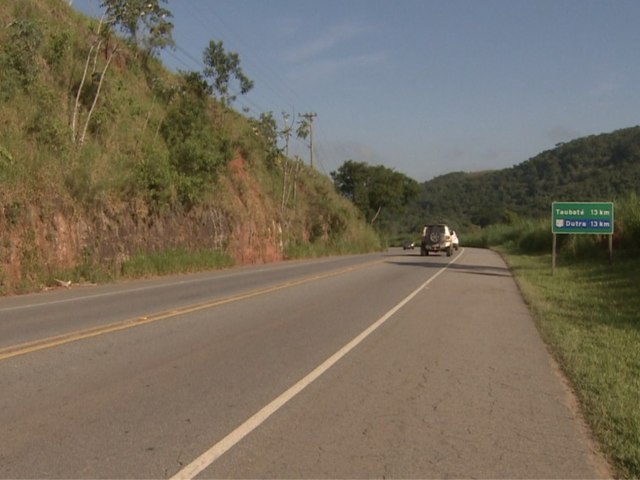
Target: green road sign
{"points": [[582, 217]]}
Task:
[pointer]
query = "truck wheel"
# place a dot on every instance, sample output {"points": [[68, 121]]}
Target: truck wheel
{"points": [[449, 251]]}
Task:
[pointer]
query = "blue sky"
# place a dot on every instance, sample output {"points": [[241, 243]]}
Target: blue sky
{"points": [[426, 87]]}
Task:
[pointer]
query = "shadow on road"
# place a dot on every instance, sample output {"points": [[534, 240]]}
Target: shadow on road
{"points": [[424, 262]]}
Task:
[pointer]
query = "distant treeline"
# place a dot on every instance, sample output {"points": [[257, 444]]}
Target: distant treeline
{"points": [[602, 167]]}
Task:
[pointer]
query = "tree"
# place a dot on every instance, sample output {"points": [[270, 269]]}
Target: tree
{"points": [[267, 129], [352, 181], [144, 21], [126, 15], [305, 129], [290, 167], [220, 67], [375, 188], [286, 131], [92, 57]]}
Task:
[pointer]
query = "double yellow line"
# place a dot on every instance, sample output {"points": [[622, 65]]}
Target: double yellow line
{"points": [[54, 341]]}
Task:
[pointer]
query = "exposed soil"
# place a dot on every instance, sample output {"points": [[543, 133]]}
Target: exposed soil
{"points": [[39, 235]]}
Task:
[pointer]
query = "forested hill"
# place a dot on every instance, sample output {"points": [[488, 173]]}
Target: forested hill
{"points": [[595, 168]]}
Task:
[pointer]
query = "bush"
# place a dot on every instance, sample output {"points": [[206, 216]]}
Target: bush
{"points": [[628, 215], [536, 240], [535, 236], [58, 49], [20, 53], [154, 179]]}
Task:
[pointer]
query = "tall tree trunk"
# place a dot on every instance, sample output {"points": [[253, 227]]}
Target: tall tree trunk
{"points": [[74, 118], [376, 215], [76, 108], [95, 99], [284, 183]]}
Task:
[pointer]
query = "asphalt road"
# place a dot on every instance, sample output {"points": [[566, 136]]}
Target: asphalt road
{"points": [[388, 365]]}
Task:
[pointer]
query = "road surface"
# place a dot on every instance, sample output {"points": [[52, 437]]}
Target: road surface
{"points": [[387, 365]]}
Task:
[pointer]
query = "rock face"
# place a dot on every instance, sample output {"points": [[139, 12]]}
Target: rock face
{"points": [[254, 233], [38, 237]]}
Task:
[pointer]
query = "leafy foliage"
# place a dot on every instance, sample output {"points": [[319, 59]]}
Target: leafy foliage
{"points": [[196, 152], [220, 67], [18, 56], [59, 49], [267, 129], [377, 191], [144, 21]]}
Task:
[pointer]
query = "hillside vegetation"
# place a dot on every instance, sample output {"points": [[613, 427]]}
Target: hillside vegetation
{"points": [[107, 158], [602, 167]]}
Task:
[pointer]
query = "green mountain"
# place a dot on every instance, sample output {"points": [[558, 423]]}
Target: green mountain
{"points": [[602, 167], [105, 156]]}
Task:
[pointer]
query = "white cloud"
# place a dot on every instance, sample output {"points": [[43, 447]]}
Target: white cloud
{"points": [[287, 27], [333, 37], [326, 69], [608, 86]]}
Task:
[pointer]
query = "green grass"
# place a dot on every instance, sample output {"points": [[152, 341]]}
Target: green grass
{"points": [[171, 261], [323, 249], [140, 265], [588, 312]]}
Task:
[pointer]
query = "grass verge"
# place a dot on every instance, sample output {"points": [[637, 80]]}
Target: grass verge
{"points": [[171, 261], [589, 315]]}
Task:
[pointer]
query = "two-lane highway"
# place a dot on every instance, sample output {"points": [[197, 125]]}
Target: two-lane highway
{"points": [[385, 365]]}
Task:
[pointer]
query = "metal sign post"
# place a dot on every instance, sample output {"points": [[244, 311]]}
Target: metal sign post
{"points": [[553, 256]]}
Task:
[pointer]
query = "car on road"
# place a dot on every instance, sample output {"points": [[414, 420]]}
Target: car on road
{"points": [[454, 240], [436, 238], [408, 246]]}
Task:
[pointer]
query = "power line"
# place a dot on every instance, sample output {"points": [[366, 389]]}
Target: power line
{"points": [[271, 80], [268, 77]]}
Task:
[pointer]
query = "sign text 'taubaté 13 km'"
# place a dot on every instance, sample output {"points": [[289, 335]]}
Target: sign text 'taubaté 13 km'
{"points": [[582, 217]]}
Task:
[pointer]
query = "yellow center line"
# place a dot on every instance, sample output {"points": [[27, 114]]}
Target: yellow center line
{"points": [[54, 341]]}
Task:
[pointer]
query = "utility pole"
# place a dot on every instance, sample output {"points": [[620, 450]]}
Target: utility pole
{"points": [[306, 128], [310, 117]]}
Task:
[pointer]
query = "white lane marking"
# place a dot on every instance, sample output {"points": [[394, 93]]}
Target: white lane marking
{"points": [[216, 451]]}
